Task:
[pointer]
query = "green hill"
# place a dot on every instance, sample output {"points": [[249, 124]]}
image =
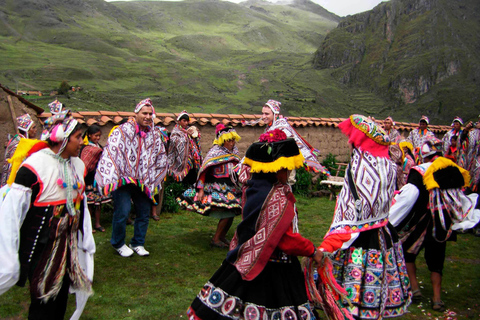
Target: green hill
{"points": [[204, 56], [421, 56]]}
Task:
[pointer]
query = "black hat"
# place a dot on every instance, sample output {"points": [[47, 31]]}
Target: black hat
{"points": [[274, 156]]}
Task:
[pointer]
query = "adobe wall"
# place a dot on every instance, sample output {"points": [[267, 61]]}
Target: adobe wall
{"points": [[327, 139]]}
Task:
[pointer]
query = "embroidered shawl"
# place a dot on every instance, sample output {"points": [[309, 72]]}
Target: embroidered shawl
{"points": [[374, 178], [309, 153], [219, 155], [130, 158], [471, 155], [183, 153], [268, 213], [90, 155], [394, 135]]}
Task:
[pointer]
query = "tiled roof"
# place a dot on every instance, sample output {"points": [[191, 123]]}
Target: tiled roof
{"points": [[101, 118]]}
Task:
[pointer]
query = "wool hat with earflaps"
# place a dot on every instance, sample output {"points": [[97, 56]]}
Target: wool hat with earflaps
{"points": [[273, 153]]}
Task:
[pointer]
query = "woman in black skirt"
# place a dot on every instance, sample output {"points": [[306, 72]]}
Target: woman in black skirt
{"points": [[261, 277]]}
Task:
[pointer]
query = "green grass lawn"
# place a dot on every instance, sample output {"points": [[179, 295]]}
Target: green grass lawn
{"points": [[163, 285]]}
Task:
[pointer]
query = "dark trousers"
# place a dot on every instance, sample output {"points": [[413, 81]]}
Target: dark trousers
{"points": [[53, 309]]}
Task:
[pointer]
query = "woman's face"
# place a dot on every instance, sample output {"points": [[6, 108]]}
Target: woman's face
{"points": [[95, 137], [229, 144], [32, 133], [74, 144]]}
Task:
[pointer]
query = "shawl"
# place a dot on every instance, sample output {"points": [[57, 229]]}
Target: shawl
{"points": [[470, 151], [268, 213], [183, 153], [394, 135], [374, 178], [130, 158], [218, 155], [90, 155], [417, 138], [9, 151], [309, 153]]}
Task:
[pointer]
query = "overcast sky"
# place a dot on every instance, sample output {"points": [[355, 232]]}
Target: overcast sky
{"points": [[339, 7]]}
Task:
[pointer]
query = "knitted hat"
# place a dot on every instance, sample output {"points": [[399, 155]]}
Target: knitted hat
{"points": [[391, 119], [365, 134], [424, 118], [273, 152], [58, 128], [223, 133], [183, 115], [145, 103], [458, 119], [430, 147], [274, 106], [24, 122]]}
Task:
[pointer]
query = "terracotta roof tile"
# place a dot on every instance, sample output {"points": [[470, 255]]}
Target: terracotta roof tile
{"points": [[106, 119], [251, 116], [235, 116], [126, 114], [91, 121], [221, 116], [167, 120], [226, 121], [214, 122], [117, 119], [89, 113], [108, 113], [200, 115], [171, 115]]}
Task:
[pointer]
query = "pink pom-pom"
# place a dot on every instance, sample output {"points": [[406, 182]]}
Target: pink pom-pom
{"points": [[59, 182], [219, 127]]}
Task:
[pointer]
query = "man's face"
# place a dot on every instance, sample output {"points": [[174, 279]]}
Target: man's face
{"points": [[144, 117], [387, 123], [32, 133], [457, 126], [183, 123], [422, 125], [267, 115]]}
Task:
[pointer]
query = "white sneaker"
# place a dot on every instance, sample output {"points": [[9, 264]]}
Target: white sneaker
{"points": [[140, 250], [124, 251]]}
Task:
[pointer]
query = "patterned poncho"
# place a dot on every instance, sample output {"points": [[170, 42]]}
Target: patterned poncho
{"points": [[219, 155], [183, 153], [309, 153], [132, 156], [470, 151], [374, 178], [9, 151]]}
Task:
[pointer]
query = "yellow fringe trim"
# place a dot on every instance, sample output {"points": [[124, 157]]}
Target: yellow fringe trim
{"points": [[225, 137], [23, 148], [406, 144], [289, 163], [438, 164], [85, 140]]}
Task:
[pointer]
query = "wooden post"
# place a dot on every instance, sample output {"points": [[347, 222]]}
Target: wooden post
{"points": [[12, 111]]}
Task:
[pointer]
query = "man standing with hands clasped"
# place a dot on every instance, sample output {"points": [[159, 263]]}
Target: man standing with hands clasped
{"points": [[132, 167]]}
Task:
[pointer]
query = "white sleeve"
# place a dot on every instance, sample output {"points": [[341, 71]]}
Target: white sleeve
{"points": [[13, 209], [403, 204]]}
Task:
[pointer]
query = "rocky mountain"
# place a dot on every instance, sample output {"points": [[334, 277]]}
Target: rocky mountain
{"points": [[420, 55]]}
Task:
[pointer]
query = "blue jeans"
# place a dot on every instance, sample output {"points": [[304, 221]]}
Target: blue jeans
{"points": [[122, 204]]}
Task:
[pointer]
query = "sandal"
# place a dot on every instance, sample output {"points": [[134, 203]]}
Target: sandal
{"points": [[155, 217], [438, 306], [101, 229], [218, 244], [417, 296]]}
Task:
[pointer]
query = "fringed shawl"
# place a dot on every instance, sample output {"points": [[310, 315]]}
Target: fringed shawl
{"points": [[374, 178], [267, 215], [183, 153], [129, 158], [309, 153]]}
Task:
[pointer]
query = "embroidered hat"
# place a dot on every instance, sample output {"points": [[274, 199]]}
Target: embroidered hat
{"points": [[458, 119], [56, 107], [424, 118], [183, 115], [58, 128], [274, 106], [145, 103], [430, 147], [264, 156], [223, 133], [24, 122], [365, 134]]}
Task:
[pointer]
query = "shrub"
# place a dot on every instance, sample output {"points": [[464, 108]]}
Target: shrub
{"points": [[172, 190]]}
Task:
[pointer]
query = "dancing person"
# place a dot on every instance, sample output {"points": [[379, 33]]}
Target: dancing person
{"points": [[27, 129], [469, 157], [90, 155], [393, 134], [132, 167], [366, 253], [425, 211], [184, 153], [261, 277], [272, 118], [45, 228], [216, 193], [417, 136]]}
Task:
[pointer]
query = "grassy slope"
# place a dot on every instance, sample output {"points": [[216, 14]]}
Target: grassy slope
{"points": [[163, 285], [218, 55]]}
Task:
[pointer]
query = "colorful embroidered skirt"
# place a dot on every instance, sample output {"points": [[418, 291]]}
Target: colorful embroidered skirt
{"points": [[219, 197], [373, 272], [94, 197], [278, 292]]}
